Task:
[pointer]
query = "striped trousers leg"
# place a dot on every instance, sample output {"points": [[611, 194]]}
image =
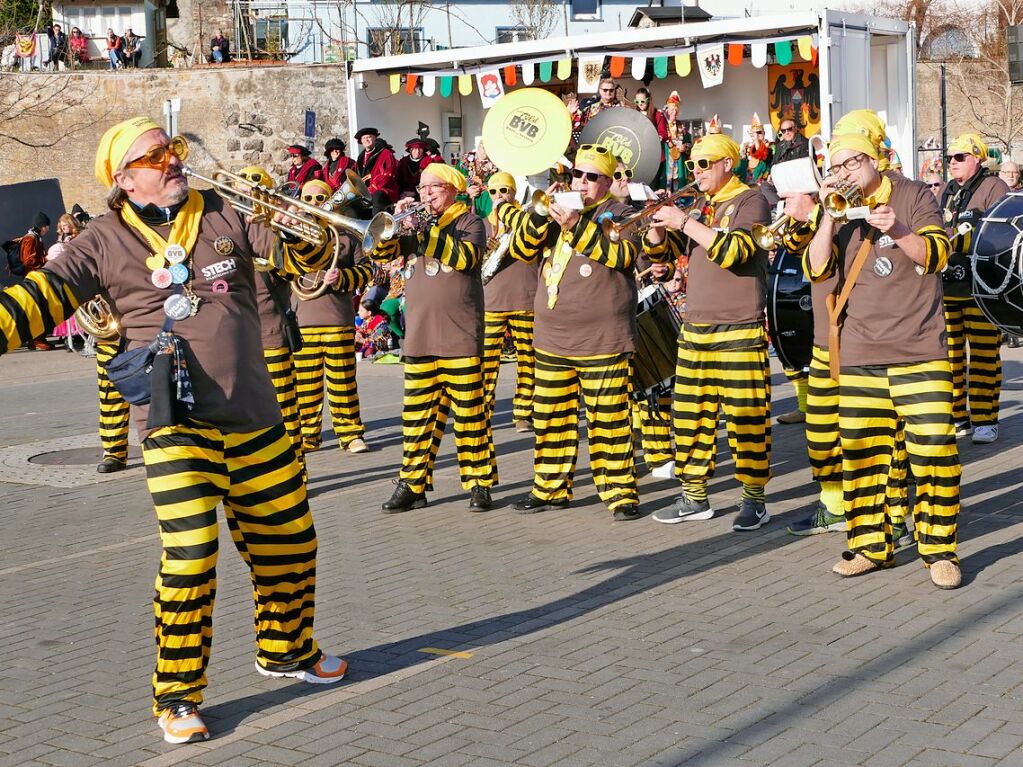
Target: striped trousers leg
{"points": [[736, 381], [872, 402], [282, 373], [189, 471], [654, 423], [956, 332], [984, 369], [435, 386], [496, 324], [114, 412], [603, 386], [800, 381], [329, 351]]}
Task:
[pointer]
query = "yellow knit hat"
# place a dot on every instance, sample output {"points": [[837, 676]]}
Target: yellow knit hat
{"points": [[502, 178], [969, 143], [597, 157], [115, 145], [715, 146], [447, 174], [856, 142]]}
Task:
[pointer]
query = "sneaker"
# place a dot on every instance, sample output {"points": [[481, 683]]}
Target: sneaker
{"points": [[357, 445], [985, 435], [328, 670], [665, 471], [109, 465], [181, 723], [522, 426], [479, 499], [752, 515], [820, 521], [796, 416], [533, 505], [963, 429], [945, 574], [684, 509], [627, 513], [403, 499], [902, 536]]}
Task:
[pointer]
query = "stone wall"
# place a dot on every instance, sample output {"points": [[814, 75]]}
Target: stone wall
{"points": [[232, 116]]}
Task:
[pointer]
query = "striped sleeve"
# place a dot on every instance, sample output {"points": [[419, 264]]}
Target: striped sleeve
{"points": [[34, 307], [387, 250], [826, 271], [731, 248], [529, 232], [301, 257], [590, 241], [799, 233], [355, 278], [460, 254], [937, 247]]}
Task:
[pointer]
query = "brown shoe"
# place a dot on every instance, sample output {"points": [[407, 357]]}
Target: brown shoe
{"points": [[945, 574], [357, 445], [796, 416], [852, 564], [522, 426], [42, 346]]}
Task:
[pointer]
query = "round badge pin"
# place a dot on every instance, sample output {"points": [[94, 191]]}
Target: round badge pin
{"points": [[177, 307], [585, 270], [432, 268], [552, 290], [882, 266], [408, 271], [155, 261], [161, 278], [224, 246], [446, 268], [175, 254], [179, 274], [220, 286]]}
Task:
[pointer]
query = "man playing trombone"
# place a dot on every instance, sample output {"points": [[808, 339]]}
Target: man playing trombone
{"points": [[722, 348], [443, 346], [175, 265]]}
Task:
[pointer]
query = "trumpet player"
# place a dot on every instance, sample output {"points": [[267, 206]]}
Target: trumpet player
{"points": [[892, 361], [443, 346], [212, 431], [585, 331], [327, 324], [508, 299], [722, 349], [974, 344]]}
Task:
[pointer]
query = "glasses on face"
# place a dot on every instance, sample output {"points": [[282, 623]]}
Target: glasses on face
{"points": [[934, 184], [853, 163], [255, 177], [588, 175], [620, 174], [427, 187], [787, 129], [159, 156], [314, 197], [701, 164], [607, 90], [500, 190], [641, 102], [758, 133], [958, 157]]}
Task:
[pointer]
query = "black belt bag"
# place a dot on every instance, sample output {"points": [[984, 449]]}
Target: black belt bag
{"points": [[129, 374]]}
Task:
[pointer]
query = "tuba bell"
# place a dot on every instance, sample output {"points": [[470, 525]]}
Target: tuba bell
{"points": [[96, 319]]}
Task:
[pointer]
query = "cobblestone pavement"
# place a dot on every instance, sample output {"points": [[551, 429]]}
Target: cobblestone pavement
{"points": [[578, 641]]}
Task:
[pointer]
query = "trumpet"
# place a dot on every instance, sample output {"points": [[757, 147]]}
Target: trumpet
{"points": [[837, 203], [385, 226], [614, 230], [96, 319], [770, 237]]}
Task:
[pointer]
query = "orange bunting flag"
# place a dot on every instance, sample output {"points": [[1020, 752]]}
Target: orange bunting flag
{"points": [[617, 66], [735, 54], [510, 77], [410, 83]]}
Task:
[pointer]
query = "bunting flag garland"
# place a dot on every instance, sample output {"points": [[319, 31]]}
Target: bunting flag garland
{"points": [[813, 59], [590, 69], [735, 54], [490, 87], [805, 46], [509, 75], [465, 84], [410, 84], [395, 83], [661, 67], [545, 71], [527, 74], [445, 86], [682, 64], [564, 69], [758, 55], [783, 52], [617, 66], [429, 85], [638, 67], [711, 61]]}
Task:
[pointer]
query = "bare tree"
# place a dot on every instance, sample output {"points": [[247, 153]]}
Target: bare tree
{"points": [[537, 17], [41, 104], [395, 30]]}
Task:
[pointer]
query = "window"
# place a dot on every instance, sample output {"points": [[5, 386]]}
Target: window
{"points": [[272, 36], [513, 34], [585, 9], [394, 41]]}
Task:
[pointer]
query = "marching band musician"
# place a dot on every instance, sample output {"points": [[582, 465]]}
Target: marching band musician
{"points": [[443, 346], [212, 431], [894, 362], [508, 298], [584, 337], [722, 348], [977, 373], [327, 325]]}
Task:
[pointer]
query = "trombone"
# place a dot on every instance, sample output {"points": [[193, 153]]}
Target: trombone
{"points": [[614, 230], [770, 237]]}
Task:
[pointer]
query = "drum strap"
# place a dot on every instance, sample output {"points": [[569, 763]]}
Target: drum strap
{"points": [[837, 305]]}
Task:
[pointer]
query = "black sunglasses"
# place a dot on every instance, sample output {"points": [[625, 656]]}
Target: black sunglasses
{"points": [[958, 157], [588, 175], [934, 184], [790, 129]]}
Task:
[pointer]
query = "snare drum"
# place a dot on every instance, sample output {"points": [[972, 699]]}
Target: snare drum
{"points": [[790, 311], [998, 264], [657, 329]]}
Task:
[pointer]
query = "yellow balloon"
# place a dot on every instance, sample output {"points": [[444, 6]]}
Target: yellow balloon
{"points": [[805, 46], [682, 64], [465, 84]]}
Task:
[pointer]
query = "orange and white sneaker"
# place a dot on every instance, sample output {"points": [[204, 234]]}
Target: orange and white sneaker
{"points": [[181, 723], [328, 670]]}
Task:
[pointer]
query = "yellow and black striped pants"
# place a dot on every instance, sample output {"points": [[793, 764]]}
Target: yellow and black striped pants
{"points": [[654, 426], [521, 326], [872, 401], [282, 373], [190, 469], [435, 387], [603, 384], [824, 443], [722, 368], [977, 374], [330, 351], [114, 412]]}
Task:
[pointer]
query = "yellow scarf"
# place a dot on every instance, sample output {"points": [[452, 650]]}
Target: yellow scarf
{"points": [[457, 209], [881, 195], [561, 255], [732, 189], [184, 230]]}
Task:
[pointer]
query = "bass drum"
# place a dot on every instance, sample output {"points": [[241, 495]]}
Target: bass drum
{"points": [[789, 311], [657, 328], [998, 264]]}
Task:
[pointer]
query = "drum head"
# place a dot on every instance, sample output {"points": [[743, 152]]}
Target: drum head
{"points": [[998, 264], [790, 311], [630, 136]]}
